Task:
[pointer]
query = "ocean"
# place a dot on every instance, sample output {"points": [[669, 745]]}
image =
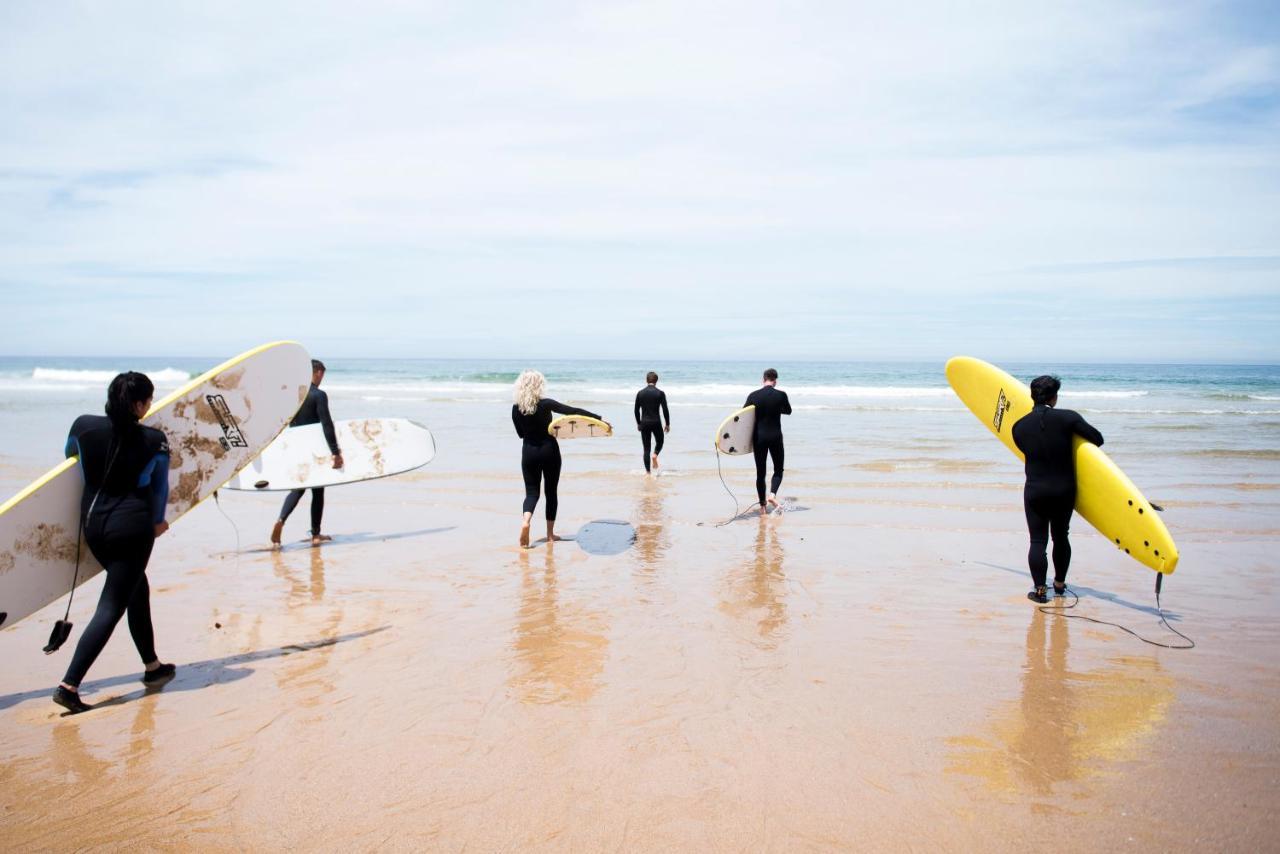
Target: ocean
{"points": [[1176, 429]]}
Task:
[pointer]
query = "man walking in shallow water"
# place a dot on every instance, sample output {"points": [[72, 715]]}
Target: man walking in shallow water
{"points": [[771, 404], [314, 410]]}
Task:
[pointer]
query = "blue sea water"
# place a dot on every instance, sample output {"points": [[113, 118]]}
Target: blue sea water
{"points": [[1197, 426]]}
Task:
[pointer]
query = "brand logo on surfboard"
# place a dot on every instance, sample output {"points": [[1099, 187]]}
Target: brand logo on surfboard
{"points": [[232, 437], [1002, 406]]}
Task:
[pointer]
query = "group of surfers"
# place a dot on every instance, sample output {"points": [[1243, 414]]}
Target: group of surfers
{"points": [[125, 466]]}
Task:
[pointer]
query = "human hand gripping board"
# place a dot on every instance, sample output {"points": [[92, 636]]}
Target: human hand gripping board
{"points": [[578, 427], [1105, 496], [215, 424]]}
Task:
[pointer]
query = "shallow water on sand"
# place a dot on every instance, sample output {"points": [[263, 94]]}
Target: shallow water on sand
{"points": [[863, 674]]}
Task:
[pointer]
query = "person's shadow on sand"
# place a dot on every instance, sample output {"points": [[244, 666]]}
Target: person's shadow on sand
{"points": [[194, 675], [1093, 593]]}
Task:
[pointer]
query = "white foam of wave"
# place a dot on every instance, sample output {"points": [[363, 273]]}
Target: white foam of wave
{"points": [[1264, 397], [1068, 395], [697, 390], [166, 376]]}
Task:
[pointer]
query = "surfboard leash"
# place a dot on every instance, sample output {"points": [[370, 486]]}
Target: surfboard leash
{"points": [[234, 526], [1057, 612], [736, 505]]}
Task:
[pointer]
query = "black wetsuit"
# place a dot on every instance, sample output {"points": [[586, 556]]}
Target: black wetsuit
{"points": [[314, 410], [771, 404], [649, 400], [540, 456], [126, 487], [1044, 436]]}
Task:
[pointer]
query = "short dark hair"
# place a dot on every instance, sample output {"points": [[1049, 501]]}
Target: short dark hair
{"points": [[1044, 389], [126, 391], [317, 365], [651, 377], [771, 374]]}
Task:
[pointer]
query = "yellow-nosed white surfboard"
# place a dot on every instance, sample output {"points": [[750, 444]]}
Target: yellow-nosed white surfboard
{"points": [[1105, 496], [215, 424], [736, 432], [578, 427]]}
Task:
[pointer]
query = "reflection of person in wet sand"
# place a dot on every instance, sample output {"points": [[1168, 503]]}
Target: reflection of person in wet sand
{"points": [[652, 540], [1066, 723], [314, 410], [759, 588], [559, 649]]}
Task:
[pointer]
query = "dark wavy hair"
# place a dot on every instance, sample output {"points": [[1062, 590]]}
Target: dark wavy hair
{"points": [[771, 374], [126, 391], [1044, 389], [651, 377]]}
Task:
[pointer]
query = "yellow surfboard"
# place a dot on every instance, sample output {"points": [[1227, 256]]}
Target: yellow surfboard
{"points": [[578, 427], [1105, 496]]}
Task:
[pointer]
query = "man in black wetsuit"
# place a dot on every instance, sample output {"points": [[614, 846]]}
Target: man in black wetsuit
{"points": [[314, 410], [1044, 436], [770, 405], [649, 400]]}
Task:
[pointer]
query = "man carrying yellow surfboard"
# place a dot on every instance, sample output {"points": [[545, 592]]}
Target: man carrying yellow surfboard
{"points": [[1044, 435]]}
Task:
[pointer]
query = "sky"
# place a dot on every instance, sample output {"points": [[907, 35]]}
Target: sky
{"points": [[1078, 181]]}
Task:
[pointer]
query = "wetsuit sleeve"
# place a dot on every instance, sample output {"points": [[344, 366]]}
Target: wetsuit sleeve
{"points": [[665, 413], [563, 409], [1086, 431], [515, 420], [786, 404], [156, 476], [638, 407], [326, 422]]}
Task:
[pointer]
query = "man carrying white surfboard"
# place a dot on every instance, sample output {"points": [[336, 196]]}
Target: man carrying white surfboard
{"points": [[314, 410], [771, 404], [1044, 435], [649, 400]]}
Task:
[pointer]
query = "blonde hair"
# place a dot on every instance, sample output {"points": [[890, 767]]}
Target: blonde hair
{"points": [[530, 387]]}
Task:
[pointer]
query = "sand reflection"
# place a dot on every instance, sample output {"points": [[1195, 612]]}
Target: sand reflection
{"points": [[559, 646], [1068, 726], [652, 539], [757, 590]]}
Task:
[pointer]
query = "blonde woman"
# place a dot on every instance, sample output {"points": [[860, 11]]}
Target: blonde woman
{"points": [[540, 458]]}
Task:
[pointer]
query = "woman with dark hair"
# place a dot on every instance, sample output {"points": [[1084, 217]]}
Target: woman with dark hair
{"points": [[1044, 435], [126, 487]]}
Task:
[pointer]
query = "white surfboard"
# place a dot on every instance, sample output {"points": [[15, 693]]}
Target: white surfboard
{"points": [[578, 427], [737, 432], [371, 448], [215, 424]]}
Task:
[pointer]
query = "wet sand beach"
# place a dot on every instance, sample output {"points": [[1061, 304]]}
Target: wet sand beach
{"points": [[864, 674]]}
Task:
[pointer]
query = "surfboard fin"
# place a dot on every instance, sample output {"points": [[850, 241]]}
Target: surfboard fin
{"points": [[57, 637], [1156, 507]]}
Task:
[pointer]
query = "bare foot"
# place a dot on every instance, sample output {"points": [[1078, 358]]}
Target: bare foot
{"points": [[764, 510], [524, 536], [321, 538], [654, 459], [276, 531], [774, 504]]}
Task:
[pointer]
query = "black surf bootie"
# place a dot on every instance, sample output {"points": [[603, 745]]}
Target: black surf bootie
{"points": [[1038, 595], [70, 700], [163, 673]]}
